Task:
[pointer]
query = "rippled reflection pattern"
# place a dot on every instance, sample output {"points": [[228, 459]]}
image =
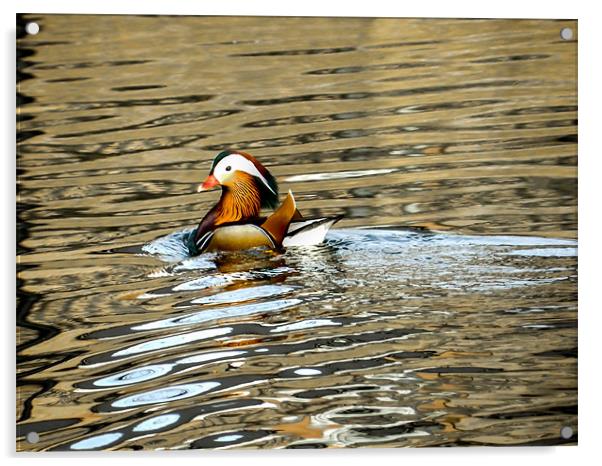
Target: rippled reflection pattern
{"points": [[441, 312]]}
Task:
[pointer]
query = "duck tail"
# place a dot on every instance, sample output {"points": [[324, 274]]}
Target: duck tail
{"points": [[277, 223], [309, 232]]}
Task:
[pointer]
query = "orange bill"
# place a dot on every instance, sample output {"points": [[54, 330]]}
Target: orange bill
{"points": [[209, 183]]}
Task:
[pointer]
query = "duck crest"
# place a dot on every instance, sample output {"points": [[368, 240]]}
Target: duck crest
{"points": [[265, 183]]}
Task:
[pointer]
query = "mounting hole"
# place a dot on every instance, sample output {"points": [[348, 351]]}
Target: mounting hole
{"points": [[566, 432], [32, 28], [566, 33], [33, 437]]}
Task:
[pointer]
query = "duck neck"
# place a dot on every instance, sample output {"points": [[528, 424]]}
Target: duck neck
{"points": [[239, 202]]}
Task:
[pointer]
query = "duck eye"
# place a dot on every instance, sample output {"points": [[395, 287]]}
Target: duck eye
{"points": [[228, 168]]}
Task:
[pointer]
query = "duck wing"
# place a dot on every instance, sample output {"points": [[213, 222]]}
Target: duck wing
{"points": [[277, 224], [285, 227]]}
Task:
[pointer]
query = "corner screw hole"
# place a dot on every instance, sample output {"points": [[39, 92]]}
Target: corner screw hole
{"points": [[566, 33], [32, 28], [566, 432]]}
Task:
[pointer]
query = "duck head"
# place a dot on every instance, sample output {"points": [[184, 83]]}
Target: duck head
{"points": [[241, 175]]}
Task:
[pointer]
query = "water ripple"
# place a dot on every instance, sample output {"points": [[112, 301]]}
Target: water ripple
{"points": [[98, 441], [442, 309], [208, 315], [175, 340], [338, 175], [244, 294], [135, 375], [156, 423], [161, 395]]}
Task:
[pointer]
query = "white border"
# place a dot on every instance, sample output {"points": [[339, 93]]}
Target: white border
{"points": [[590, 80], [424, 8]]}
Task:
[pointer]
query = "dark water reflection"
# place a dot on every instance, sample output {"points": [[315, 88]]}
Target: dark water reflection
{"points": [[441, 312]]}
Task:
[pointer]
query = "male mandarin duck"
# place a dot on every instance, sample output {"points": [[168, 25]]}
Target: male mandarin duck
{"points": [[234, 223]]}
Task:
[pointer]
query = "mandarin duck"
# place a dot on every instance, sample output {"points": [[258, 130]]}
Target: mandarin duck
{"points": [[234, 223]]}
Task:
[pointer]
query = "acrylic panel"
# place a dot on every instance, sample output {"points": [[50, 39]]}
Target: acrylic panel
{"points": [[416, 288]]}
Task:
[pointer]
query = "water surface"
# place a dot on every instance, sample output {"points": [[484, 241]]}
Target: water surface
{"points": [[441, 311]]}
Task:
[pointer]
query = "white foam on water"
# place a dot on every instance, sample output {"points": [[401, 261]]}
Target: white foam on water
{"points": [[545, 252]]}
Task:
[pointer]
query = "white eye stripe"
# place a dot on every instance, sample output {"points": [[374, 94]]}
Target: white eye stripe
{"points": [[240, 163]]}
